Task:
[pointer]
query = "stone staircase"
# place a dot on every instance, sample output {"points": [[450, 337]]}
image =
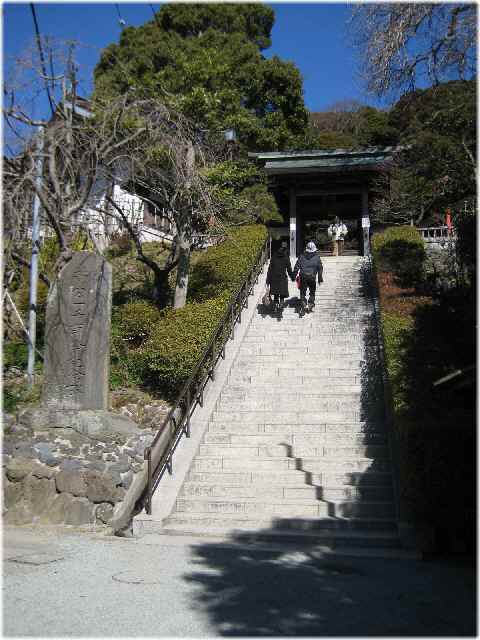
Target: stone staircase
{"points": [[295, 446]]}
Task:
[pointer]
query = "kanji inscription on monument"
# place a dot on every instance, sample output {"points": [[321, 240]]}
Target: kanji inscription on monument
{"points": [[77, 335]]}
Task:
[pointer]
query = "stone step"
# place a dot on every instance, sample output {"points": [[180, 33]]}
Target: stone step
{"points": [[280, 478], [339, 465], [285, 507], [330, 344], [298, 339], [286, 380], [229, 521], [346, 408], [293, 352], [293, 363], [238, 437], [314, 464], [303, 393], [344, 429], [283, 416], [314, 368], [289, 492], [291, 325], [374, 451], [237, 491], [294, 477], [247, 507], [275, 383], [368, 493], [291, 319], [298, 417]]}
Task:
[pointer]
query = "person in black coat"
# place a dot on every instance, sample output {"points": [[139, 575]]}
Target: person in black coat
{"points": [[277, 276], [310, 267]]}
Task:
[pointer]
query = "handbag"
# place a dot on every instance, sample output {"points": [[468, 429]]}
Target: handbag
{"points": [[266, 300], [298, 280]]}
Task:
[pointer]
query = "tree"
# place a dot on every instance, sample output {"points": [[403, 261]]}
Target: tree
{"points": [[154, 151], [404, 44], [349, 124], [437, 167], [205, 61]]}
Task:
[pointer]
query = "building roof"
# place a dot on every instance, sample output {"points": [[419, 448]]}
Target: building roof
{"points": [[324, 160]]}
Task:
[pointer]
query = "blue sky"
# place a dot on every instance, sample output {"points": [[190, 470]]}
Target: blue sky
{"points": [[313, 36]]}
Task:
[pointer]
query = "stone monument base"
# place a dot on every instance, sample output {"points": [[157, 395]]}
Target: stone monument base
{"points": [[73, 467], [88, 421]]}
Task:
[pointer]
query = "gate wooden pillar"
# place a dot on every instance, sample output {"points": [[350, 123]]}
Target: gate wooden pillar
{"points": [[365, 223]]}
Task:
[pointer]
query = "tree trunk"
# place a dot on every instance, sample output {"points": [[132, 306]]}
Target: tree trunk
{"points": [[181, 287], [161, 288]]}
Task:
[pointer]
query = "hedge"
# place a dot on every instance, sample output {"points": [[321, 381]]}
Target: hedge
{"points": [[159, 349], [434, 428], [223, 268], [401, 251]]}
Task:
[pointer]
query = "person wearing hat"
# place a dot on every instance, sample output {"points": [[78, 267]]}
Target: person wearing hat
{"points": [[337, 232], [278, 269], [310, 267]]}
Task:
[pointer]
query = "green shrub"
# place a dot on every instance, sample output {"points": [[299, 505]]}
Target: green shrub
{"points": [[15, 354], [159, 349], [132, 325], [17, 395], [223, 268], [260, 203], [169, 356], [135, 321], [396, 331], [401, 251]]}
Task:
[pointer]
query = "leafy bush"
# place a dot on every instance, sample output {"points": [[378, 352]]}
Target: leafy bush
{"points": [[169, 356], [260, 203], [135, 321], [425, 341], [159, 349], [396, 331], [132, 325], [401, 251], [16, 395], [223, 268], [15, 354]]}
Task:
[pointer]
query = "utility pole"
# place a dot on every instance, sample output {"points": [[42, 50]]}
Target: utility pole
{"points": [[32, 316]]}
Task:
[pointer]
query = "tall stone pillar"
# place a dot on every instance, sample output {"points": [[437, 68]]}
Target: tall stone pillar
{"points": [[77, 335], [293, 222], [365, 223]]}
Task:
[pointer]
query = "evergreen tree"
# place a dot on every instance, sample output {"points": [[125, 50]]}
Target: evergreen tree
{"points": [[206, 61]]}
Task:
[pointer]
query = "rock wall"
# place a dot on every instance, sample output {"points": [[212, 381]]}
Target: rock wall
{"points": [[61, 476]]}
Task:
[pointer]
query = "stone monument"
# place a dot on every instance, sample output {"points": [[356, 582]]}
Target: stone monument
{"points": [[77, 339]]}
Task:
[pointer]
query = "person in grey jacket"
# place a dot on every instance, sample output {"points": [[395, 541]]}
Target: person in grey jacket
{"points": [[310, 268]]}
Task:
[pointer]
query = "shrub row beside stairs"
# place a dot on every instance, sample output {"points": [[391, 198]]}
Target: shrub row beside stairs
{"points": [[159, 349], [426, 338]]}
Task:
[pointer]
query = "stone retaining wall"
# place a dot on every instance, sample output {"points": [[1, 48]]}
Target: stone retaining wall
{"points": [[62, 476]]}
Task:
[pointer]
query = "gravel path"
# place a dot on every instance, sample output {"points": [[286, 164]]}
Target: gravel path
{"points": [[69, 583]]}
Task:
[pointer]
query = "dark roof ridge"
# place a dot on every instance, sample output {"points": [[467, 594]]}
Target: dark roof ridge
{"points": [[315, 153]]}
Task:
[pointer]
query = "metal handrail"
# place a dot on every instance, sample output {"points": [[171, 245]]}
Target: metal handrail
{"points": [[191, 394]]}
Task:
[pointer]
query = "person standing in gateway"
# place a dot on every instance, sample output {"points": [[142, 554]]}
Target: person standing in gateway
{"points": [[337, 232]]}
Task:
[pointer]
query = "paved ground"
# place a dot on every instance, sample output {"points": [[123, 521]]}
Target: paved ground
{"points": [[78, 584]]}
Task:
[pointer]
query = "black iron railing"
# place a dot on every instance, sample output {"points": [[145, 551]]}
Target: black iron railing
{"points": [[177, 423]]}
